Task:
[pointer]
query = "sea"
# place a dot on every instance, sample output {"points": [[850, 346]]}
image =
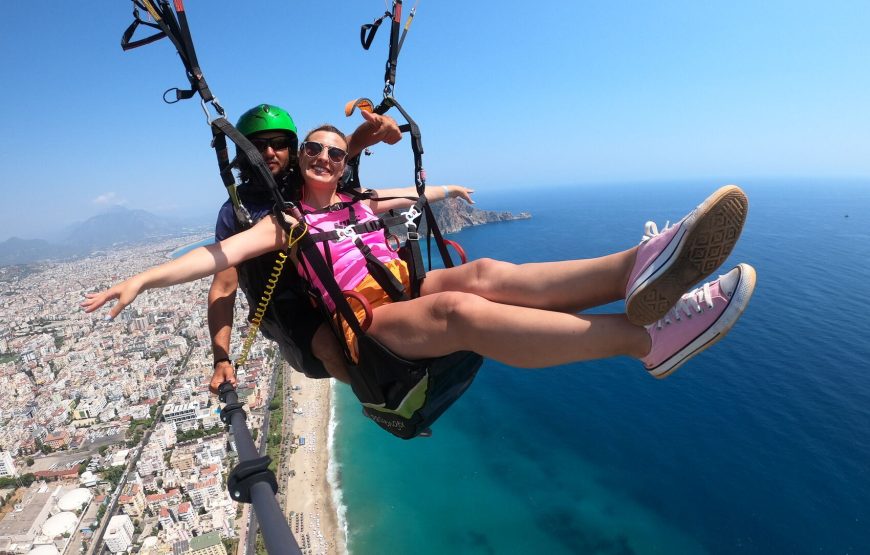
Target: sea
{"points": [[759, 445]]}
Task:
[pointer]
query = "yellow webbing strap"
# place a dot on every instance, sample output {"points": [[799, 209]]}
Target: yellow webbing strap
{"points": [[151, 9]]}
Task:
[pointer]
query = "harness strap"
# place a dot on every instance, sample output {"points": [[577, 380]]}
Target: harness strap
{"points": [[358, 229], [127, 44], [260, 171], [367, 31], [312, 255], [219, 143], [385, 278], [393, 59]]}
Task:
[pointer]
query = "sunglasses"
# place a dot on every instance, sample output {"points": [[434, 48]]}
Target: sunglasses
{"points": [[276, 143], [313, 150]]}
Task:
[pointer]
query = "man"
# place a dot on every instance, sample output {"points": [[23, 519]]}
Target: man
{"points": [[290, 320]]}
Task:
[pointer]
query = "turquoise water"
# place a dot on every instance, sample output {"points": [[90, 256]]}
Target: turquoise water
{"points": [[759, 445], [187, 248]]}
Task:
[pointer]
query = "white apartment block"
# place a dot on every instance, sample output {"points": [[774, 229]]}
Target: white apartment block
{"points": [[164, 436], [7, 465], [180, 413], [205, 492], [90, 408], [119, 534]]}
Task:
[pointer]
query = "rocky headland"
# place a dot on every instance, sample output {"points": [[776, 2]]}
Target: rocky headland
{"points": [[454, 215]]}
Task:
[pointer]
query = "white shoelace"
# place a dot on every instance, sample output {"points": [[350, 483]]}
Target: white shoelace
{"points": [[650, 230], [689, 303]]}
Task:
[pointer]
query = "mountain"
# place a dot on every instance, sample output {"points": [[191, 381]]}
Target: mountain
{"points": [[117, 226], [454, 214], [120, 225], [22, 251]]}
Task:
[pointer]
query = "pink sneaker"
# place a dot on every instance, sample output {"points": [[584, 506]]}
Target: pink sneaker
{"points": [[670, 262], [700, 318]]}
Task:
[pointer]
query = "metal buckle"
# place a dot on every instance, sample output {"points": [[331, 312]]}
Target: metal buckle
{"points": [[217, 106]]}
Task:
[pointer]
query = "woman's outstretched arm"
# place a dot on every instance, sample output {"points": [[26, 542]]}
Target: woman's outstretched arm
{"points": [[434, 193], [264, 237]]}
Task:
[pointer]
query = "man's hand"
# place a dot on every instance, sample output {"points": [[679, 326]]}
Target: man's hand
{"points": [[223, 372]]}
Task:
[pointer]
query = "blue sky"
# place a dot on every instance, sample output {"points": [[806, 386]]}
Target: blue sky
{"points": [[508, 94]]}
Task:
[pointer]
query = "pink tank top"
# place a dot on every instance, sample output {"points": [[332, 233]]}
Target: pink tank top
{"points": [[348, 263]]}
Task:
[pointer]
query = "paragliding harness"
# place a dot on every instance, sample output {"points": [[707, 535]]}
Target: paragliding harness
{"points": [[402, 396]]}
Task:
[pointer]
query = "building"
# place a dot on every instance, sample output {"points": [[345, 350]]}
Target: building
{"points": [[186, 514], [20, 529], [75, 500], [182, 461], [90, 408], [180, 413], [57, 441], [7, 465], [165, 517], [207, 544], [206, 492], [164, 435], [157, 500], [119, 534], [132, 500]]}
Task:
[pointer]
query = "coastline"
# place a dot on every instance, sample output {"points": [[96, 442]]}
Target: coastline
{"points": [[205, 240], [311, 490]]}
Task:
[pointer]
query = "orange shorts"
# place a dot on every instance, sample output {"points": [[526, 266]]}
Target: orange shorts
{"points": [[376, 297]]}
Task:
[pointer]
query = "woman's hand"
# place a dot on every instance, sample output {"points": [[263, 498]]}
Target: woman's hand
{"points": [[125, 292], [458, 191], [382, 128]]}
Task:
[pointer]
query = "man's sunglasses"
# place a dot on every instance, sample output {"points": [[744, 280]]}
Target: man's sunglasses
{"points": [[277, 143], [313, 150]]}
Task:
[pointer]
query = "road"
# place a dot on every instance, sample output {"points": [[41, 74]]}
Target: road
{"points": [[97, 546]]}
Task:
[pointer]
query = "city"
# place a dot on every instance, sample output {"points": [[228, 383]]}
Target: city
{"points": [[112, 441]]}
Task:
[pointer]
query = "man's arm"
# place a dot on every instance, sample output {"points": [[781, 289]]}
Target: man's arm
{"points": [[375, 129], [221, 301]]}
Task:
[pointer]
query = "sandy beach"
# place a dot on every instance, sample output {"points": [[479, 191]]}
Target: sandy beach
{"points": [[308, 495]]}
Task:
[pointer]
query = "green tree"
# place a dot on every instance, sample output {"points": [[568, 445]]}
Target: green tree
{"points": [[29, 461], [113, 475], [84, 466]]}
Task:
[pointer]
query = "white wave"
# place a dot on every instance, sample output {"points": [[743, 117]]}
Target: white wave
{"points": [[333, 467]]}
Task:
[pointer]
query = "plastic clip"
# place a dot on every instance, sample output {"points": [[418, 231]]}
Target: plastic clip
{"points": [[229, 410], [248, 473], [411, 215], [346, 233]]}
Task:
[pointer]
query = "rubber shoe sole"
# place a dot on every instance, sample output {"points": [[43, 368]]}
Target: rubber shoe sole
{"points": [[710, 233]]}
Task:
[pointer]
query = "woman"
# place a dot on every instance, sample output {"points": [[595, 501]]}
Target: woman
{"points": [[521, 315]]}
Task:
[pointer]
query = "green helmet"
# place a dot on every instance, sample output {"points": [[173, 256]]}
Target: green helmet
{"points": [[265, 117]]}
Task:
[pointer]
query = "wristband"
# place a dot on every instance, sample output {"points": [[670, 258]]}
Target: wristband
{"points": [[446, 192], [218, 361]]}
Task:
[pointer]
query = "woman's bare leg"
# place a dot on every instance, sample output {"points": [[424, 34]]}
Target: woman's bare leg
{"points": [[325, 347], [567, 286], [443, 323]]}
